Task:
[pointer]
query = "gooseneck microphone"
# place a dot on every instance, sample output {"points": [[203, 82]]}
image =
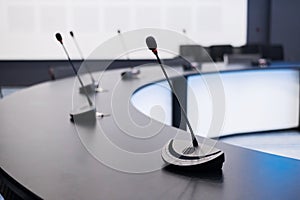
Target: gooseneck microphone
{"points": [[151, 43], [82, 112], [179, 152], [94, 86], [59, 38], [186, 38], [81, 55], [123, 43], [133, 72]]}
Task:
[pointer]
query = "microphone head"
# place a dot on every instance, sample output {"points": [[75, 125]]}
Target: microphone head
{"points": [[71, 33], [119, 31], [59, 37], [151, 43]]}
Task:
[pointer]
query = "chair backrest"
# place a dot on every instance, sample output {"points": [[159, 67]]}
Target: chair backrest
{"points": [[10, 189], [60, 72], [273, 52], [194, 53], [252, 49], [243, 59], [217, 52]]}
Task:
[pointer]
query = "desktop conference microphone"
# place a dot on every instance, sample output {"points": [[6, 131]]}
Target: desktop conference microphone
{"points": [[182, 153], [133, 72], [85, 112], [186, 38], [94, 86], [123, 43]]}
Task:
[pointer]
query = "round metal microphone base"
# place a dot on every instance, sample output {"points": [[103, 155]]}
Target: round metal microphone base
{"points": [[131, 74], [84, 113], [182, 154]]}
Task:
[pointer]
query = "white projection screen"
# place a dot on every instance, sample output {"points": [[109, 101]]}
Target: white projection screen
{"points": [[28, 27], [158, 106], [259, 100], [255, 101]]}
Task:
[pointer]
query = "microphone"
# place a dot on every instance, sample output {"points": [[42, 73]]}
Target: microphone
{"points": [[123, 43], [180, 153], [94, 86], [85, 112], [132, 73], [186, 38], [151, 43]]}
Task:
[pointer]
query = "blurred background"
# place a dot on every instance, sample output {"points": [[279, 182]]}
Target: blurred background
{"points": [[267, 28]]}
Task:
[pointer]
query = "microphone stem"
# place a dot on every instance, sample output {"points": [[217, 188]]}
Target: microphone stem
{"points": [[81, 56], [124, 46], [194, 140], [80, 81]]}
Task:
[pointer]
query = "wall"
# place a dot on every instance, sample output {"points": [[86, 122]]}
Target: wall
{"points": [[258, 21], [275, 22], [285, 27], [28, 27]]}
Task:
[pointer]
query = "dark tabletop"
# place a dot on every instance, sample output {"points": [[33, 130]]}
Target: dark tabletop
{"points": [[57, 159]]}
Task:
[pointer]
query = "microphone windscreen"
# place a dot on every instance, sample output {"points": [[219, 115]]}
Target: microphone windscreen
{"points": [[119, 31], [151, 43], [71, 33], [58, 37]]}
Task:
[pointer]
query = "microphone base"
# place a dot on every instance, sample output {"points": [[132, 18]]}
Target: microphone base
{"points": [[91, 89], [84, 113], [131, 74], [180, 154]]}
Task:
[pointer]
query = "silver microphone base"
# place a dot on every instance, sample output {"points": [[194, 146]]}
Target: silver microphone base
{"points": [[91, 89], [181, 154], [130, 74], [84, 113]]}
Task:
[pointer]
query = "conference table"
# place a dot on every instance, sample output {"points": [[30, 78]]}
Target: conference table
{"points": [[119, 156]]}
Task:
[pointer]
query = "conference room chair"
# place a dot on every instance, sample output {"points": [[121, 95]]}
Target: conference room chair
{"points": [[251, 49], [274, 52], [7, 193], [244, 59], [194, 53], [217, 52], [60, 72]]}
